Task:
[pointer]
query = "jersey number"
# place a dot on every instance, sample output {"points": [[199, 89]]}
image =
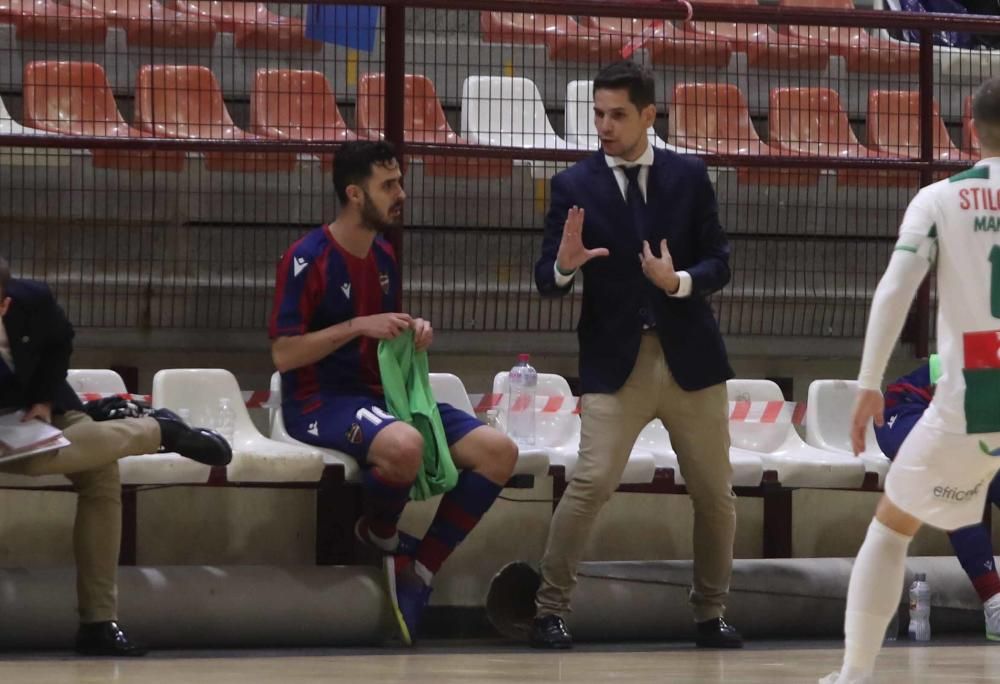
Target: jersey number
{"points": [[375, 416]]}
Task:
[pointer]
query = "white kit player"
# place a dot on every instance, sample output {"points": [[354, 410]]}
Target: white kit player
{"points": [[943, 469]]}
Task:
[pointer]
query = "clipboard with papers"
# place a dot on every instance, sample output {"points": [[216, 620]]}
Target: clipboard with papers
{"points": [[19, 439]]}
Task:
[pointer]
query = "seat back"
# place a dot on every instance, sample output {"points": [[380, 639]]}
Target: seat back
{"points": [[181, 102], [99, 380], [712, 117], [580, 114], [970, 139], [810, 121], [552, 429], [829, 413], [524, 27], [503, 110], [423, 115], [630, 28], [199, 390], [72, 98], [449, 389], [763, 437], [729, 30], [296, 105], [894, 125], [836, 35]]}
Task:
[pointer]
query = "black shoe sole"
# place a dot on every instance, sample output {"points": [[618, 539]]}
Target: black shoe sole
{"points": [[551, 645]]}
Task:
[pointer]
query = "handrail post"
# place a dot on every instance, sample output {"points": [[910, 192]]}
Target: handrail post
{"points": [[394, 95], [923, 303]]}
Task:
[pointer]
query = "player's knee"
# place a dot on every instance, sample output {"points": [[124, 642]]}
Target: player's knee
{"points": [[503, 456], [399, 452]]}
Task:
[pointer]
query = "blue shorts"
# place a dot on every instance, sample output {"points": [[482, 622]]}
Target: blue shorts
{"points": [[898, 424], [350, 424]]}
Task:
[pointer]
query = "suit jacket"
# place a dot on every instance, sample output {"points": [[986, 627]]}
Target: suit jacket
{"points": [[681, 207], [41, 342]]}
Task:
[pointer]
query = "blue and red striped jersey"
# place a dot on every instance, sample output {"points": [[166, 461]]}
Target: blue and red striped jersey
{"points": [[320, 284]]}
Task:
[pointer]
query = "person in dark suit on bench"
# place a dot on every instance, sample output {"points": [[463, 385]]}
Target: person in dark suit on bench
{"points": [[36, 341], [641, 226]]}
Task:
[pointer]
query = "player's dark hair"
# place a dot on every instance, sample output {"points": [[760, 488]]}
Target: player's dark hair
{"points": [[353, 162], [4, 276], [986, 113], [628, 75]]}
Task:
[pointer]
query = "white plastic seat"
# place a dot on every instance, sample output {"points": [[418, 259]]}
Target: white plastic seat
{"points": [[557, 433], [580, 130], [507, 111], [331, 457], [450, 389], [828, 423], [255, 457], [782, 450], [142, 469], [748, 467]]}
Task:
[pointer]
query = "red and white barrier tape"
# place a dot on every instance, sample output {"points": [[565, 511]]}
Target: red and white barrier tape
{"points": [[739, 411]]}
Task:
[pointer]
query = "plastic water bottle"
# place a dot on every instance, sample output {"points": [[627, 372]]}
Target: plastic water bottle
{"points": [[522, 386], [920, 608], [226, 420]]}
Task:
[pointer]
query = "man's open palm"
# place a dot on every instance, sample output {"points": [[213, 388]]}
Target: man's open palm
{"points": [[572, 254]]}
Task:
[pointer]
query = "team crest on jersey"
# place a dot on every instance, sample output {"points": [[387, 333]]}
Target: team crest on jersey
{"points": [[354, 434], [383, 280]]}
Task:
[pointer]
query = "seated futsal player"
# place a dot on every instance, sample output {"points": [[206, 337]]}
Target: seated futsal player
{"points": [[337, 295], [906, 399]]}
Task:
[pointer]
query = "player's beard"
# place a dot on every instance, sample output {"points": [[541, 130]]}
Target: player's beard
{"points": [[375, 221]]}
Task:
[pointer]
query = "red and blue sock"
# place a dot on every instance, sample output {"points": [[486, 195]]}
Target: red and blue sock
{"points": [[460, 510], [384, 503]]}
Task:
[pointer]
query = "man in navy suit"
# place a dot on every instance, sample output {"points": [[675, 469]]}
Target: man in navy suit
{"points": [[36, 341], [641, 226]]}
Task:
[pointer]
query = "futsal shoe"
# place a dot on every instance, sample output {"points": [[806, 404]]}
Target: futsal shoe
{"points": [[408, 594], [199, 444], [401, 544], [717, 633], [992, 611], [106, 639], [549, 631]]}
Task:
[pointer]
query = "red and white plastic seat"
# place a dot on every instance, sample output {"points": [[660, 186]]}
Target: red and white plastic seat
{"points": [[796, 463]]}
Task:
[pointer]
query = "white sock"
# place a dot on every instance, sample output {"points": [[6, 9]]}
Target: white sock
{"points": [[423, 573], [872, 597]]}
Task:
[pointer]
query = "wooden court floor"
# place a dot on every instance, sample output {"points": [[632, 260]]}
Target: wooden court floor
{"points": [[954, 662]]}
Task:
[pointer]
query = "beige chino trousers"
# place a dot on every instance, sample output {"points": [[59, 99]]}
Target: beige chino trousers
{"points": [[698, 423], [91, 464]]}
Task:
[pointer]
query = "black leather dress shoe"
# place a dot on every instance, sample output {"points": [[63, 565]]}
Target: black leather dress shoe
{"points": [[199, 444], [106, 639], [549, 631], [717, 633]]}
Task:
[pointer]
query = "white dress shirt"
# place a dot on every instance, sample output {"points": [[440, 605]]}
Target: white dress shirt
{"points": [[5, 347], [619, 165]]}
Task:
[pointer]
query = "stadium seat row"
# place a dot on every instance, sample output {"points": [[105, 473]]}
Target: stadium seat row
{"points": [[74, 98], [701, 43], [761, 451], [176, 23]]}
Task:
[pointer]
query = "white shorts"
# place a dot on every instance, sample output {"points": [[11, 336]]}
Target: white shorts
{"points": [[942, 478]]}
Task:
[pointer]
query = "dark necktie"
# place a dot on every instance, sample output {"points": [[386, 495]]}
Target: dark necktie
{"points": [[634, 200], [637, 208]]}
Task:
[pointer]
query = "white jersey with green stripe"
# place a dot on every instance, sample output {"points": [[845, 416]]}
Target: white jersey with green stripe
{"points": [[955, 225]]}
